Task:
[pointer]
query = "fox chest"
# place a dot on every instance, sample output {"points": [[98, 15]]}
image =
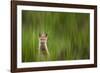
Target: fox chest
{"points": [[42, 46]]}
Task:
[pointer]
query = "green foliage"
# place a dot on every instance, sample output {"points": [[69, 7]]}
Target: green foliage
{"points": [[68, 35]]}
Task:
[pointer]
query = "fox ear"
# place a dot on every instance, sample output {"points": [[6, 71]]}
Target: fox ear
{"points": [[46, 34], [39, 35]]}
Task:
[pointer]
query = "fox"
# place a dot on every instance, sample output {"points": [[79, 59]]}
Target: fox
{"points": [[43, 49]]}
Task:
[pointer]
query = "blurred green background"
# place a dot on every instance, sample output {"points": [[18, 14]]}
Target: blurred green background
{"points": [[68, 35]]}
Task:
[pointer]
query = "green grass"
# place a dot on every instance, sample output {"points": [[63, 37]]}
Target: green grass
{"points": [[68, 35]]}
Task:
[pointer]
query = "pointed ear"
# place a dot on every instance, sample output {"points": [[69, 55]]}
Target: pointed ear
{"points": [[39, 35], [46, 34]]}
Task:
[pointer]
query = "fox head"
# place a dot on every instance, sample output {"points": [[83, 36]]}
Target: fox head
{"points": [[43, 37]]}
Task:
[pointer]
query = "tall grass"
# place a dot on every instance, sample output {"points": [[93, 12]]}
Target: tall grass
{"points": [[68, 35]]}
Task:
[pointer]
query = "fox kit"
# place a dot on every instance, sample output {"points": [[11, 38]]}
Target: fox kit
{"points": [[43, 50]]}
